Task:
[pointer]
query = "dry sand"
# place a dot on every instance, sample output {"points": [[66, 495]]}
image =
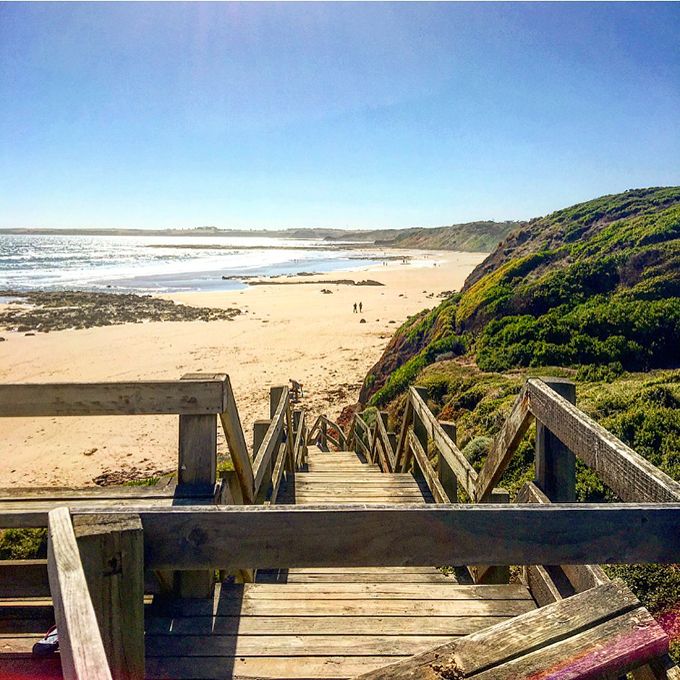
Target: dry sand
{"points": [[288, 331]]}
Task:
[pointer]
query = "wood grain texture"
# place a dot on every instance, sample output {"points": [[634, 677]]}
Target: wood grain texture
{"points": [[410, 535], [430, 475], [233, 432], [80, 644], [112, 554], [600, 633], [628, 474], [270, 443], [504, 445], [455, 460], [194, 397]]}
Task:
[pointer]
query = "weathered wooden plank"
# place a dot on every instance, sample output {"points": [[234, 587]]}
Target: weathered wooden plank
{"points": [[581, 576], [492, 573], [456, 461], [608, 650], [33, 514], [452, 626], [197, 465], [415, 534], [428, 471], [490, 649], [270, 443], [541, 585], [374, 607], [385, 442], [80, 644], [255, 668], [123, 493], [278, 473], [628, 474], [24, 578], [555, 464], [397, 591], [112, 554], [229, 646], [401, 462], [233, 432], [374, 578], [504, 445], [194, 397]]}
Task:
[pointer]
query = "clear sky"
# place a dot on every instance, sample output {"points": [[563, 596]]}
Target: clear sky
{"points": [[330, 114]]}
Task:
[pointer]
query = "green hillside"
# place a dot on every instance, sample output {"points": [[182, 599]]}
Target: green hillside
{"points": [[595, 284], [591, 293], [480, 237]]}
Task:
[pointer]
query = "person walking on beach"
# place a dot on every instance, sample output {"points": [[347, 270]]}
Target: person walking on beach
{"points": [[355, 307], [360, 306]]}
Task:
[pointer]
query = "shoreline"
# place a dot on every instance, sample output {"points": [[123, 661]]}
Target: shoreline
{"points": [[283, 332]]}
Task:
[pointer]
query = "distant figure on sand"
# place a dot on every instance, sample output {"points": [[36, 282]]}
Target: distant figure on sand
{"points": [[355, 307], [360, 306]]}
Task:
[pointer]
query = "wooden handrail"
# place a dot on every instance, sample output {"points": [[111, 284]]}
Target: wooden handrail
{"points": [[299, 448], [323, 420], [233, 432], [149, 397], [406, 535], [270, 442], [504, 445], [381, 439], [626, 472], [80, 643], [430, 475]]}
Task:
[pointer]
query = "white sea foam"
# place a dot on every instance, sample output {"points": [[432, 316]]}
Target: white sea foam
{"points": [[51, 262]]}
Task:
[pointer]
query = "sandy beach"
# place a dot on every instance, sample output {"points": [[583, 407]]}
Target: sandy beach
{"points": [[283, 332]]}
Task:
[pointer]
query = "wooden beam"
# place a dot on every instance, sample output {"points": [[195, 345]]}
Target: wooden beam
{"points": [[601, 633], [197, 466], [489, 573], [278, 473], [381, 422], [195, 397], [628, 474], [80, 644], [400, 461], [555, 464], [452, 456], [408, 535], [112, 553], [270, 442], [430, 475], [504, 445], [233, 432], [581, 576]]}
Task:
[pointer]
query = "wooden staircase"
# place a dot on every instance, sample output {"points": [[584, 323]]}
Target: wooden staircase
{"points": [[326, 622]]}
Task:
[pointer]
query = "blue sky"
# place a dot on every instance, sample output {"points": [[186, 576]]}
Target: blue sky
{"points": [[360, 115]]}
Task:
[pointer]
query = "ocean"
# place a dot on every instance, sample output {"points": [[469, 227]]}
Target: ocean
{"points": [[162, 263]]}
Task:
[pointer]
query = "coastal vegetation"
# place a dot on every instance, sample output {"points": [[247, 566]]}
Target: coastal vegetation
{"points": [[591, 293]]}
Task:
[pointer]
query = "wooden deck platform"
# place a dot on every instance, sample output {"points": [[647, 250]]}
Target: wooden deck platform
{"points": [[325, 623]]}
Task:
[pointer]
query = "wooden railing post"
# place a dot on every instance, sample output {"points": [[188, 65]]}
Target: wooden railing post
{"points": [[260, 428], [446, 476], [488, 575], [555, 463], [112, 554], [324, 433], [81, 649], [196, 474], [420, 431]]}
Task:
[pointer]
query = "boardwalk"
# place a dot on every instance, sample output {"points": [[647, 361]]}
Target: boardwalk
{"points": [[332, 622], [325, 543]]}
